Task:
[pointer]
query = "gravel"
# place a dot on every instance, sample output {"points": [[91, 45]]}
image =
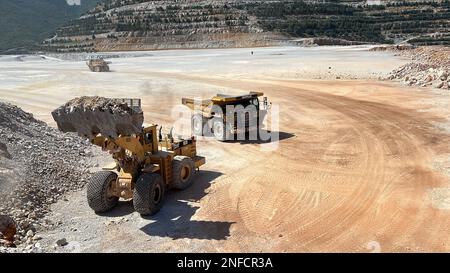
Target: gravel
{"points": [[38, 165], [430, 67]]}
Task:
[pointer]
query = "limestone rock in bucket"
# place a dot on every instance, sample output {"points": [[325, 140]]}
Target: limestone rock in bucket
{"points": [[89, 116]]}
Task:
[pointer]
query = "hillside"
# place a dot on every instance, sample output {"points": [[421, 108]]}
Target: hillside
{"points": [[24, 23], [141, 25]]}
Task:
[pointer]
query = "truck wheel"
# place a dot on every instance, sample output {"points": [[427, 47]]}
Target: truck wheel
{"points": [[220, 130], [182, 172], [148, 195], [197, 125], [99, 191]]}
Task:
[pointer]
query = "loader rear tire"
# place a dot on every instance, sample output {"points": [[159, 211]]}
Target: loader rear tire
{"points": [[99, 194], [148, 195], [183, 169]]}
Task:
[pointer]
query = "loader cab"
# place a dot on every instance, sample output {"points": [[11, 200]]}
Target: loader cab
{"points": [[150, 139]]}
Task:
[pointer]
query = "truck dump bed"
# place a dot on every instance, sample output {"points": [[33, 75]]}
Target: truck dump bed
{"points": [[219, 99]]}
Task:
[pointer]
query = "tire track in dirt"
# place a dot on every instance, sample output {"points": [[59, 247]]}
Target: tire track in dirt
{"points": [[394, 145]]}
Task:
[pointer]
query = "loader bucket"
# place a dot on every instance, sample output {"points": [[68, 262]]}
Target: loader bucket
{"points": [[90, 116]]}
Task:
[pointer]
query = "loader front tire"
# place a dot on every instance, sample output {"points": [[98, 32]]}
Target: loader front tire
{"points": [[99, 191], [148, 195], [183, 169]]}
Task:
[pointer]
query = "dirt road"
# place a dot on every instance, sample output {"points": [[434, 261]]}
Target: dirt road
{"points": [[361, 166]]}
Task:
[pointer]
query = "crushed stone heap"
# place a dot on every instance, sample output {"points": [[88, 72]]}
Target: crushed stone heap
{"points": [[38, 164], [430, 67]]}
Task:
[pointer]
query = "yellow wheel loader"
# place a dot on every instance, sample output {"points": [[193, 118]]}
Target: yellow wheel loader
{"points": [[146, 163]]}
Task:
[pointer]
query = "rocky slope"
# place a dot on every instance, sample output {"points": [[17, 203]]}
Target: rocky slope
{"points": [[144, 25], [38, 164]]}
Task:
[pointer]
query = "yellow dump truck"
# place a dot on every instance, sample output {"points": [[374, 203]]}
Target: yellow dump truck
{"points": [[213, 116], [98, 65]]}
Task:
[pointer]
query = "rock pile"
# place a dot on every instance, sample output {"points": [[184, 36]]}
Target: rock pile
{"points": [[430, 68], [38, 164]]}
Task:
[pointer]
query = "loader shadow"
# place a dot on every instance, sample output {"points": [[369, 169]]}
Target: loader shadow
{"points": [[123, 208], [280, 137], [174, 219]]}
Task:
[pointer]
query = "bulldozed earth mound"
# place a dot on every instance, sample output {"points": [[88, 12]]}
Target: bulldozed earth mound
{"points": [[430, 67], [38, 164], [89, 116]]}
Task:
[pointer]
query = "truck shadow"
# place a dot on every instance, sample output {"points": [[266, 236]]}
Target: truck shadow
{"points": [[279, 136], [174, 219]]}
